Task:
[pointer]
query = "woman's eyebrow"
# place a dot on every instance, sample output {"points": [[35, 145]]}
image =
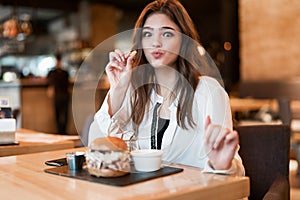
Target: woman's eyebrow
{"points": [[167, 27], [161, 28], [147, 28]]}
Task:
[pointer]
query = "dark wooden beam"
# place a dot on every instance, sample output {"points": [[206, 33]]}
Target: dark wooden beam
{"points": [[66, 5]]}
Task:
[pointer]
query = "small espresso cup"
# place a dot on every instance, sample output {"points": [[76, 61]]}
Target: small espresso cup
{"points": [[75, 160]]}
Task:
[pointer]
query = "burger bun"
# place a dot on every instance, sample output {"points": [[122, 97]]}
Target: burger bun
{"points": [[106, 172], [108, 157], [108, 143]]}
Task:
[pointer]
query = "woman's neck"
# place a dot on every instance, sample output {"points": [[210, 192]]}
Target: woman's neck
{"points": [[166, 79]]}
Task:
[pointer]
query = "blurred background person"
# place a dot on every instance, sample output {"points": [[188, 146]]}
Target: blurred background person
{"points": [[58, 80]]}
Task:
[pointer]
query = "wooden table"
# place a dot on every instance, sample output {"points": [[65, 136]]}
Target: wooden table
{"points": [[22, 177], [26, 135], [248, 104], [31, 142]]}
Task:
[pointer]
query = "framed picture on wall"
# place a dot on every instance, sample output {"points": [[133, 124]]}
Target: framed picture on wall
{"points": [[4, 102]]}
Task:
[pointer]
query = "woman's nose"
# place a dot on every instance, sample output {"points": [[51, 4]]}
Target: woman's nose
{"points": [[156, 41]]}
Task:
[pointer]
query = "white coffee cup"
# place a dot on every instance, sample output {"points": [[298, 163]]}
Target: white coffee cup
{"points": [[147, 160]]}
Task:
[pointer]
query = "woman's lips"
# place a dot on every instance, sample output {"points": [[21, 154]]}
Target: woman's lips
{"points": [[157, 54]]}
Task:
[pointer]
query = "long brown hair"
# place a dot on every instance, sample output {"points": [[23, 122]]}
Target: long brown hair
{"points": [[143, 79]]}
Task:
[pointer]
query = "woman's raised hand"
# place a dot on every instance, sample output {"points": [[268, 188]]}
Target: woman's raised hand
{"points": [[119, 68], [221, 143]]}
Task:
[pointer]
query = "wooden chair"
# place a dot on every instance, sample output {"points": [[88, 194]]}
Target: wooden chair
{"points": [[264, 150], [284, 91]]}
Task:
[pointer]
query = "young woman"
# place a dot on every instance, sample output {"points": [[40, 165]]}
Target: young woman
{"points": [[158, 92]]}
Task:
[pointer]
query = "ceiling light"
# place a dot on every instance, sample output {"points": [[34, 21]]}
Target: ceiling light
{"points": [[18, 27]]}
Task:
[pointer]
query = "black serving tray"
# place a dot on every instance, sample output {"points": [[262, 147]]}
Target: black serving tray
{"points": [[131, 178], [9, 144]]}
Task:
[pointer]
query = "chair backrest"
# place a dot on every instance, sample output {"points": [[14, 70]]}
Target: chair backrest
{"points": [[264, 150], [283, 91], [270, 89]]}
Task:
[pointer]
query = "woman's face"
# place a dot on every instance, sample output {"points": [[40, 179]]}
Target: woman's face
{"points": [[161, 40]]}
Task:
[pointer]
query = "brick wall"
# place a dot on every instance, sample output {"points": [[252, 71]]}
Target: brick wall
{"points": [[269, 39]]}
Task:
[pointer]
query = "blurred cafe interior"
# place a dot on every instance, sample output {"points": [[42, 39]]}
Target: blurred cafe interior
{"points": [[254, 44]]}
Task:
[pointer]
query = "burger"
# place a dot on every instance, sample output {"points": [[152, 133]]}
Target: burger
{"points": [[108, 157]]}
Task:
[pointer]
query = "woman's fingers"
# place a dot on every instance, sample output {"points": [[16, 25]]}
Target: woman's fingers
{"points": [[114, 57], [212, 133], [207, 122], [206, 125], [221, 137], [120, 60], [119, 55], [224, 136], [113, 65], [115, 62], [119, 67], [232, 136], [130, 57], [215, 135]]}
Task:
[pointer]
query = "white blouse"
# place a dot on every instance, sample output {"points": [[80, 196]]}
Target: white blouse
{"points": [[179, 145]]}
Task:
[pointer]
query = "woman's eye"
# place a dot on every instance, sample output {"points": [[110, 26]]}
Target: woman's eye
{"points": [[168, 34], [147, 34]]}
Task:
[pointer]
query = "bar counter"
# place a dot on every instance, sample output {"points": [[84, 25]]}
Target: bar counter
{"points": [[30, 141], [23, 177]]}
